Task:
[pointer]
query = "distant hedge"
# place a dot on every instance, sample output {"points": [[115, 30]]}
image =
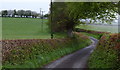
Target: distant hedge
{"points": [[96, 34], [91, 31]]}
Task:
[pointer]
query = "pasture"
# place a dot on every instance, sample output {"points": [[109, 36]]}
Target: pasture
{"points": [[104, 28], [32, 28], [25, 28]]}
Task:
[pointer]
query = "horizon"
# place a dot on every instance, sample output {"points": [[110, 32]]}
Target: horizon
{"points": [[26, 5]]}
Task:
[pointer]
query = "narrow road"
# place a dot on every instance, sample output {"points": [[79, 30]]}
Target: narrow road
{"points": [[77, 59]]}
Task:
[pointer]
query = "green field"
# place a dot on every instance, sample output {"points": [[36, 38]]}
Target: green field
{"points": [[31, 28], [25, 28], [104, 28]]}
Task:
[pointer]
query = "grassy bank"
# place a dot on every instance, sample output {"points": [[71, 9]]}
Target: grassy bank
{"points": [[106, 55], [97, 36], [42, 52]]}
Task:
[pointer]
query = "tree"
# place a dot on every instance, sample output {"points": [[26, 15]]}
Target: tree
{"points": [[58, 17], [119, 7], [34, 14], [0, 13], [103, 11], [27, 13], [10, 13], [21, 13], [15, 13], [46, 15], [4, 13], [68, 14]]}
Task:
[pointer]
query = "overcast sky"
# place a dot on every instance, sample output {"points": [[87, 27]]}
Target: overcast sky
{"points": [[33, 5]]}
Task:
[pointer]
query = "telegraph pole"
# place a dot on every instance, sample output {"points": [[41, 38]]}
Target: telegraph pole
{"points": [[51, 21], [42, 19], [40, 13]]}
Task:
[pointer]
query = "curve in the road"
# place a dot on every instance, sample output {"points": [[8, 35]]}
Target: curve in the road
{"points": [[75, 60]]}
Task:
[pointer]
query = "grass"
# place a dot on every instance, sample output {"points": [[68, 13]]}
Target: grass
{"points": [[103, 59], [97, 36], [107, 28], [25, 28], [60, 35]]}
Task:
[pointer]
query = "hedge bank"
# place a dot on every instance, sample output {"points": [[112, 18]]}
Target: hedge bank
{"points": [[107, 53], [35, 53]]}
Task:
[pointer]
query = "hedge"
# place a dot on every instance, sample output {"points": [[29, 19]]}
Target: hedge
{"points": [[35, 53], [107, 53]]}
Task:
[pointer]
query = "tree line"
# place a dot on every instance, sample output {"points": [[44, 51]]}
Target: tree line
{"points": [[21, 13]]}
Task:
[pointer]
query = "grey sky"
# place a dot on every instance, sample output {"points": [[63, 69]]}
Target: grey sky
{"points": [[33, 5]]}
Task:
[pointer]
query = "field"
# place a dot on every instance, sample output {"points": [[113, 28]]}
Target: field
{"points": [[31, 28], [104, 28], [25, 28]]}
